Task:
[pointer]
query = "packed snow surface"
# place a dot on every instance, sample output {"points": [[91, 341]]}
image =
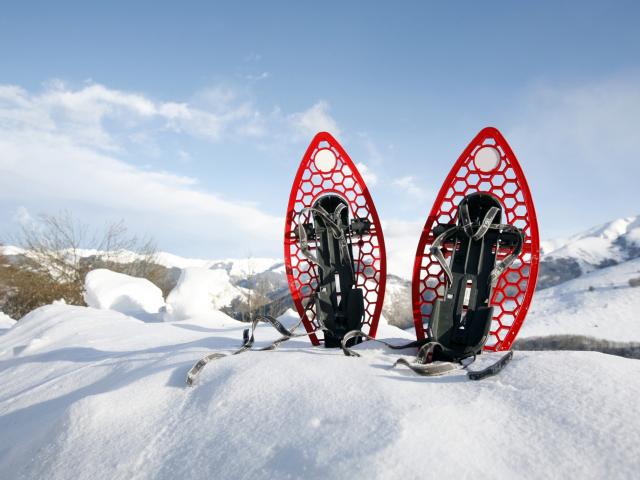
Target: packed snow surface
{"points": [[600, 304], [6, 322], [199, 293], [95, 394], [109, 290]]}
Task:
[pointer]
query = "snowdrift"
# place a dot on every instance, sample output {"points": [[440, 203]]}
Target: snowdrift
{"points": [[6, 322], [199, 293], [109, 290], [95, 394]]}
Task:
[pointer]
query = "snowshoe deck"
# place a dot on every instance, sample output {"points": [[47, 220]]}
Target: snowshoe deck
{"points": [[487, 166], [334, 249]]}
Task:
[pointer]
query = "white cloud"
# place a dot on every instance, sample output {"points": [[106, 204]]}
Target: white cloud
{"points": [[595, 122], [315, 119], [370, 178], [373, 152], [23, 217], [65, 148], [579, 145], [260, 76], [408, 185], [85, 111]]}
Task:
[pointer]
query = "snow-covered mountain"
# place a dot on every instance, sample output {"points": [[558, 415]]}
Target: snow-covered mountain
{"points": [[602, 246], [562, 260]]}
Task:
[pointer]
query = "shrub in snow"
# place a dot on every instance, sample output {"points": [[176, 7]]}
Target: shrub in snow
{"points": [[109, 290], [200, 292]]}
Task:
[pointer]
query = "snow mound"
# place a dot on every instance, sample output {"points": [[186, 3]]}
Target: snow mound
{"points": [[111, 404], [6, 322], [107, 290], [600, 304], [200, 293]]}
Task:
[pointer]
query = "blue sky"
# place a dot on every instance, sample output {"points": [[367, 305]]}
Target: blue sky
{"points": [[188, 120]]}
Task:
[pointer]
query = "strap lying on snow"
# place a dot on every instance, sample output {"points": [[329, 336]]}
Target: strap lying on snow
{"points": [[422, 364], [249, 340], [334, 223], [360, 334]]}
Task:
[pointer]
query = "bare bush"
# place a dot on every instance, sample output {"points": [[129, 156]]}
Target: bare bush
{"points": [[59, 252]]}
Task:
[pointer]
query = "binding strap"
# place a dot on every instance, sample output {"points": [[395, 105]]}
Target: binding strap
{"points": [[423, 362], [500, 267], [437, 252], [334, 224], [467, 227], [249, 339]]}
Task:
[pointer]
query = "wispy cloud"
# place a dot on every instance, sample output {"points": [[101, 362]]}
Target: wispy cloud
{"points": [[259, 76], [408, 185], [314, 120], [67, 147], [579, 146], [369, 177], [84, 112]]}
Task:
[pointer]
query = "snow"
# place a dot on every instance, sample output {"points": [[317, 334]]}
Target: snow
{"points": [[600, 304], [598, 244], [241, 268], [95, 394], [199, 293], [6, 322], [236, 267], [107, 290]]}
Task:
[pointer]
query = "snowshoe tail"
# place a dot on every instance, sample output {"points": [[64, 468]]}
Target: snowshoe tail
{"points": [[492, 369]]}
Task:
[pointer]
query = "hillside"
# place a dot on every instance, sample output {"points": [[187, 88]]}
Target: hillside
{"points": [[562, 260], [599, 247], [600, 304]]}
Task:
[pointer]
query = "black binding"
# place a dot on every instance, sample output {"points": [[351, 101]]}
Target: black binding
{"points": [[461, 320], [339, 303]]}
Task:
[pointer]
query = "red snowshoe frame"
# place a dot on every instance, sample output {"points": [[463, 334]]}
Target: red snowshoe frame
{"points": [[369, 256], [506, 182]]}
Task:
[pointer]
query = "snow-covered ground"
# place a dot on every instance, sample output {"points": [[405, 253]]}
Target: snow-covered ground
{"points": [[109, 290], [6, 322], [199, 292], [96, 394], [600, 304]]}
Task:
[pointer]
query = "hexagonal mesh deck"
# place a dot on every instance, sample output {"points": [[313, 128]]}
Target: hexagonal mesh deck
{"points": [[514, 290], [369, 254]]}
